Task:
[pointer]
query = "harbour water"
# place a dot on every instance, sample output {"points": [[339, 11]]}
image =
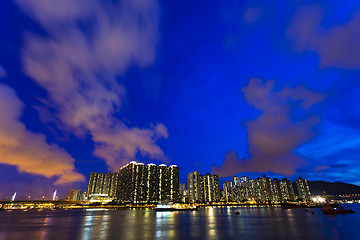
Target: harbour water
{"points": [[206, 223]]}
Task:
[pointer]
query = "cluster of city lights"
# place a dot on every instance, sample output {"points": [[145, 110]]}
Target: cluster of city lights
{"points": [[319, 199]]}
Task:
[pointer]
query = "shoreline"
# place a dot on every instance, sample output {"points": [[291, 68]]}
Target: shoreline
{"points": [[58, 205]]}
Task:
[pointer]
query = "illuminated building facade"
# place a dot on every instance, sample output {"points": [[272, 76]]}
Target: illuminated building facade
{"points": [[264, 189], [174, 184], [276, 190], [236, 181], [99, 183], [102, 185], [91, 184], [203, 188], [267, 194], [287, 190], [151, 183], [228, 191], [194, 186], [114, 185], [211, 188], [303, 189], [163, 182], [236, 189], [246, 188], [139, 183], [74, 195], [182, 195], [182, 189]]}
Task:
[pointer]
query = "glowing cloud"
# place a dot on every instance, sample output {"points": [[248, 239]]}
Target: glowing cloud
{"points": [[78, 66], [337, 46], [29, 151], [273, 136]]}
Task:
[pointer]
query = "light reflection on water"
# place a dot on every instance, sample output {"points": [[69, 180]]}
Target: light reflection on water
{"points": [[162, 218], [87, 227], [207, 223], [211, 224]]}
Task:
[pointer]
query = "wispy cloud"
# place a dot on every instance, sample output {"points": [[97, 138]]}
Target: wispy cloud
{"points": [[337, 46], [332, 139], [89, 43], [29, 151], [2, 72], [251, 14], [274, 135], [334, 154]]}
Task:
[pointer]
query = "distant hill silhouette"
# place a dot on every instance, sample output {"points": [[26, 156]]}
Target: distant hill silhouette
{"points": [[332, 188]]}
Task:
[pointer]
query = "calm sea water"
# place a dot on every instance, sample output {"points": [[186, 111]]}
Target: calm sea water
{"points": [[207, 223]]}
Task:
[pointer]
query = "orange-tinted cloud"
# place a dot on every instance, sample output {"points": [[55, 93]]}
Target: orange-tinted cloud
{"points": [[337, 46], [78, 69], [29, 151], [273, 136]]}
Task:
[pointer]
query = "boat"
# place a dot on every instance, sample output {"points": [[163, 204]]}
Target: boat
{"points": [[165, 207], [335, 209]]}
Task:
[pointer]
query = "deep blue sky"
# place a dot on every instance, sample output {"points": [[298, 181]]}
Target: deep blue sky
{"points": [[228, 87]]}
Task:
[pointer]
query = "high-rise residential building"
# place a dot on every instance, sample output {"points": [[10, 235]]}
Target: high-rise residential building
{"points": [[284, 192], [182, 189], [211, 188], [114, 185], [277, 196], [251, 190], [237, 193], [260, 189], [287, 190], [203, 188], [236, 181], [186, 196], [102, 185], [216, 188], [74, 195], [141, 183], [267, 194], [246, 188], [244, 179], [162, 174], [194, 186], [127, 182], [228, 191], [174, 184], [303, 189], [265, 189], [291, 190], [99, 183], [236, 189], [222, 195], [106, 184], [91, 184], [256, 185], [182, 196], [151, 183]]}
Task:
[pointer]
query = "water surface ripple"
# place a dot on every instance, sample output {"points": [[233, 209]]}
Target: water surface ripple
{"points": [[207, 223]]}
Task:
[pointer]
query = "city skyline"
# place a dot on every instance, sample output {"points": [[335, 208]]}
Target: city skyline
{"points": [[239, 88], [106, 184], [139, 184]]}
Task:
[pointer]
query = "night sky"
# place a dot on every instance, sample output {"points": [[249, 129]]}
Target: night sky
{"points": [[227, 87]]}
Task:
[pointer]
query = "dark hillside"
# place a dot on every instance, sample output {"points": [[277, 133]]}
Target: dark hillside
{"points": [[332, 188]]}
